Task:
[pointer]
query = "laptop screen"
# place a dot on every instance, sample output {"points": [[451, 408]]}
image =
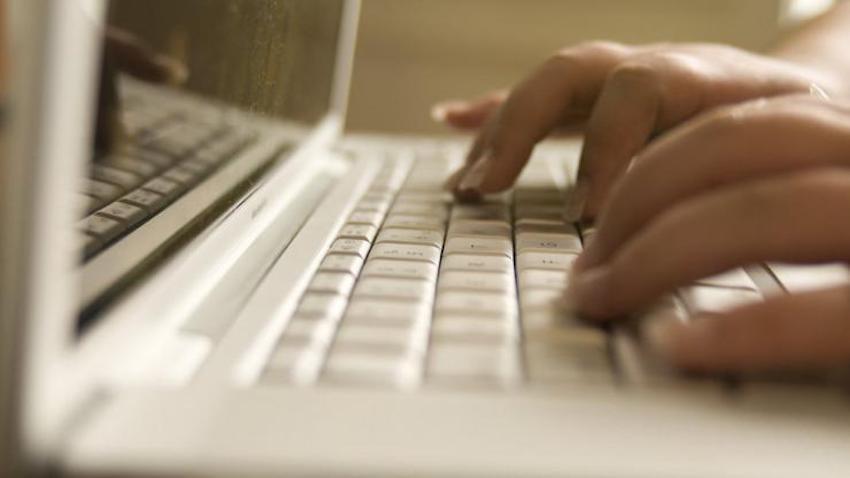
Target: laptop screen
{"points": [[196, 99], [271, 56]]}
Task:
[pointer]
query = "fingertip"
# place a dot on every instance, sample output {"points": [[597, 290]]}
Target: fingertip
{"points": [[576, 200], [443, 111], [170, 70], [689, 346], [438, 113], [588, 293]]}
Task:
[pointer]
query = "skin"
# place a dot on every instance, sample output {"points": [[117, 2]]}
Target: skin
{"points": [[683, 141]]}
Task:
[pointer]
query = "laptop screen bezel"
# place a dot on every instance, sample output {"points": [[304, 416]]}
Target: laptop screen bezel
{"points": [[57, 377]]}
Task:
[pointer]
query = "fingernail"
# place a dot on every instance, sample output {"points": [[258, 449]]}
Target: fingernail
{"points": [[474, 178], [453, 180], [587, 290], [177, 72], [440, 111], [576, 199]]}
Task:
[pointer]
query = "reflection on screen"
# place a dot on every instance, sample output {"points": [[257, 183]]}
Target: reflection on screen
{"points": [[257, 71], [269, 56]]}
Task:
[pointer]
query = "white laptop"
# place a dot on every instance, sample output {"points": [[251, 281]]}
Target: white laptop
{"points": [[237, 288]]}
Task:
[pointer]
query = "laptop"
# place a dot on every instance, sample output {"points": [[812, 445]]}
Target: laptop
{"points": [[237, 286]]}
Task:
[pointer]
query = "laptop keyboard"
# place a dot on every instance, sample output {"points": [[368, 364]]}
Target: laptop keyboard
{"points": [[169, 150], [416, 289]]}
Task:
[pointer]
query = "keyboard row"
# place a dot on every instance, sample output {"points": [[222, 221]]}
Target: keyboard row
{"points": [[167, 155], [416, 289]]}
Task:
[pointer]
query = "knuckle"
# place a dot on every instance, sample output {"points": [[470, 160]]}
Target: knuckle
{"points": [[589, 49], [635, 75], [599, 47]]}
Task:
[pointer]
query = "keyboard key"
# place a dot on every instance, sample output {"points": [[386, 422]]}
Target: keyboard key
{"points": [[368, 368], [473, 364], [101, 227], [159, 160], [546, 227], [365, 232], [543, 279], [540, 299], [449, 328], [479, 281], [413, 236], [393, 289], [180, 175], [389, 250], [88, 204], [400, 269], [414, 222], [198, 168], [385, 197], [372, 218], [383, 312], [437, 211], [546, 260], [706, 299], [348, 263], [123, 179], [321, 306], [366, 338], [482, 263], [463, 228], [551, 213], [486, 212], [144, 169], [797, 278], [565, 332], [332, 282], [528, 196], [476, 303], [375, 205], [553, 363], [163, 186], [736, 278], [548, 242], [479, 245], [103, 191], [420, 197], [351, 246], [146, 199], [123, 212]]}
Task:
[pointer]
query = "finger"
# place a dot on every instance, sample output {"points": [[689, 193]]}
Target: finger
{"points": [[563, 85], [130, 55], [109, 130], [738, 144], [779, 218], [805, 331], [621, 123], [473, 155], [468, 115]]}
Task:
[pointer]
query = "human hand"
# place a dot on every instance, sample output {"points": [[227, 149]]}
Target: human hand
{"points": [[761, 181], [620, 97], [126, 53]]}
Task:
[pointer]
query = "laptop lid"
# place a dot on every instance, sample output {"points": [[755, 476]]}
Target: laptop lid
{"points": [[55, 83]]}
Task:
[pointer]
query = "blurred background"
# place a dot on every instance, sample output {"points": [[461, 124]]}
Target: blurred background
{"points": [[413, 53]]}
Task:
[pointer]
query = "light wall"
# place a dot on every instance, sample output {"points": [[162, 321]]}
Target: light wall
{"points": [[412, 53]]}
